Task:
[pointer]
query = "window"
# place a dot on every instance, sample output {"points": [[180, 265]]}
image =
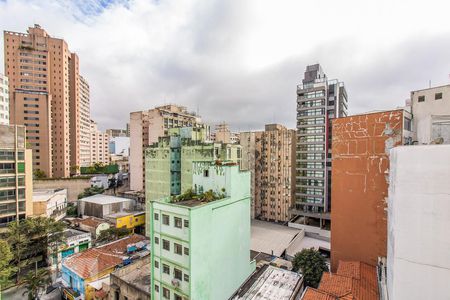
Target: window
{"points": [[178, 248], [166, 269], [156, 217], [177, 221], [206, 173], [165, 220], [156, 240], [186, 277], [437, 96], [178, 297], [186, 251], [186, 223], [166, 293], [421, 99], [156, 264], [178, 274], [157, 288], [166, 245]]}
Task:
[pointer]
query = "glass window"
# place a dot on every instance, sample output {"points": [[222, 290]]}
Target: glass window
{"points": [[166, 245], [156, 264], [166, 269], [178, 274], [178, 222], [421, 99], [166, 293], [178, 297], [165, 220], [156, 288], [186, 277], [186, 223], [178, 248], [186, 251], [156, 216], [156, 240], [437, 96]]}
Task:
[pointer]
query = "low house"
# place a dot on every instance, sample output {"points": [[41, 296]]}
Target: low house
{"points": [[353, 280], [93, 225], [50, 203], [75, 241], [101, 205], [85, 273], [132, 281], [130, 220]]}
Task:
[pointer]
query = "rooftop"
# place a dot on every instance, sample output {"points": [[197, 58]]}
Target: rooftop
{"points": [[91, 221], [68, 233], [271, 238], [124, 214], [96, 260], [45, 194], [104, 199], [138, 277], [270, 283]]}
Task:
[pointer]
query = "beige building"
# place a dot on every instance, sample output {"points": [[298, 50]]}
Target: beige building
{"points": [[16, 178], [4, 100], [85, 124], [145, 129], [270, 156], [223, 134], [99, 145], [51, 203], [44, 93], [431, 115]]}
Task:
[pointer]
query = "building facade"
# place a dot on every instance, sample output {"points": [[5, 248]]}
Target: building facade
{"points": [[4, 100], [431, 112], [169, 162], [117, 133], [247, 140], [418, 264], [361, 146], [45, 97], [200, 250], [131, 281], [16, 178], [85, 124], [50, 203], [75, 241], [145, 129], [99, 146], [318, 101]]}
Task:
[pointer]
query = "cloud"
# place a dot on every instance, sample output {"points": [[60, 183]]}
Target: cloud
{"points": [[240, 61]]}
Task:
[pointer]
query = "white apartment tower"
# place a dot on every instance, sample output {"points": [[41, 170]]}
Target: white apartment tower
{"points": [[85, 123], [99, 145], [4, 100]]}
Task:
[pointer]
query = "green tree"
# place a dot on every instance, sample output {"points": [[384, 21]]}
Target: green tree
{"points": [[93, 190], [6, 269], [72, 210], [56, 238], [113, 233], [311, 264], [19, 242], [35, 282], [39, 174]]}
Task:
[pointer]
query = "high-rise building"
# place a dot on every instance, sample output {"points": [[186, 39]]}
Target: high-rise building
{"points": [[200, 248], [223, 134], [4, 100], [431, 112], [361, 146], [16, 178], [99, 145], [169, 162], [270, 157], [318, 101], [44, 93], [117, 133], [418, 264], [145, 129], [85, 124]]}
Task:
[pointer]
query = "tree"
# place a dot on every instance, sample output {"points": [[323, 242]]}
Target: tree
{"points": [[311, 265], [6, 269], [56, 237], [19, 242], [93, 190], [113, 233], [39, 174], [35, 282]]}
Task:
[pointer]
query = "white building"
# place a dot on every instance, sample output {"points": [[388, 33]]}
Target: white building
{"points": [[75, 241], [4, 100], [418, 262], [119, 145], [50, 203], [99, 145], [431, 115], [85, 123]]}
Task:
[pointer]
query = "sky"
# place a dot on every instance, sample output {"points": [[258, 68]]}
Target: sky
{"points": [[239, 61]]}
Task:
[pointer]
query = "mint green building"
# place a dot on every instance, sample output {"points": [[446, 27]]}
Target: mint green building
{"points": [[201, 250], [168, 163]]}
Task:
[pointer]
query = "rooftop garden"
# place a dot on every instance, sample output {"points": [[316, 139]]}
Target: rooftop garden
{"points": [[204, 197]]}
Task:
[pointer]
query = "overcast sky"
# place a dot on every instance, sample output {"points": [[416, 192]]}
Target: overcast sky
{"points": [[239, 61]]}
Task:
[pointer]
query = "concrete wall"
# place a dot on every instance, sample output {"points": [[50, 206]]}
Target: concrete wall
{"points": [[74, 186], [418, 261], [360, 148], [431, 116]]}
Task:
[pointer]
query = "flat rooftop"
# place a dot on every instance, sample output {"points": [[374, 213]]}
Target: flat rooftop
{"points": [[104, 199], [45, 194], [124, 214], [68, 233], [270, 283], [271, 238], [139, 278]]}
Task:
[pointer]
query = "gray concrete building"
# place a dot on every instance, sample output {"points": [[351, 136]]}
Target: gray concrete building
{"points": [[101, 205], [132, 281], [319, 100]]}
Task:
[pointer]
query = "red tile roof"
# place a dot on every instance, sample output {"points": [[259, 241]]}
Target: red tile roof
{"points": [[91, 222], [95, 260], [353, 281]]}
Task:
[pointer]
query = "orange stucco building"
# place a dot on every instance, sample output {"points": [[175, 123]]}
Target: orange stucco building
{"points": [[360, 151], [44, 87]]}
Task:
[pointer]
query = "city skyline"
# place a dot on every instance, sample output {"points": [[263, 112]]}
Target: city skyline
{"points": [[224, 59]]}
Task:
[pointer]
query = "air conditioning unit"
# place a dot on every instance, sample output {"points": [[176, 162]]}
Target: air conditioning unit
{"points": [[175, 282]]}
